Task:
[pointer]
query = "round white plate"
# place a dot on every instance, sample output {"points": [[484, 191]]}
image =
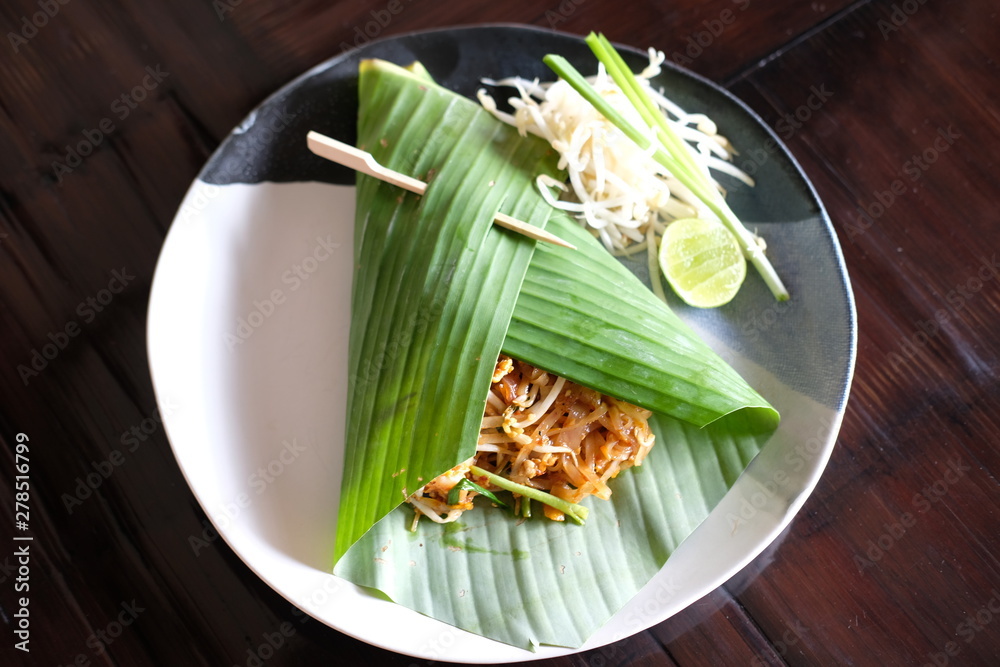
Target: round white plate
{"points": [[248, 327]]}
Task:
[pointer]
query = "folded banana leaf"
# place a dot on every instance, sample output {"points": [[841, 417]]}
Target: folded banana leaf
{"points": [[584, 316], [438, 292]]}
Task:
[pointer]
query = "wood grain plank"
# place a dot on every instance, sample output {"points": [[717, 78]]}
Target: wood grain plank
{"points": [[910, 492], [919, 401], [130, 159], [714, 630]]}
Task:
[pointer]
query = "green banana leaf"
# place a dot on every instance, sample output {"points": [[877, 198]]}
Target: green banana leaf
{"points": [[438, 292], [429, 308], [534, 582], [586, 317]]}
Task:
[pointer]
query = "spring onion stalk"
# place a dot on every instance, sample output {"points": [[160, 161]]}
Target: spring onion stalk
{"points": [[667, 148], [466, 484], [578, 513]]}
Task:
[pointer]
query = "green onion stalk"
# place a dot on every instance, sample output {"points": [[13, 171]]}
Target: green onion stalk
{"points": [[668, 149], [577, 513]]}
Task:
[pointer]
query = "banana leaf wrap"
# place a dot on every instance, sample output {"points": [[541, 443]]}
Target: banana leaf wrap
{"points": [[438, 292]]}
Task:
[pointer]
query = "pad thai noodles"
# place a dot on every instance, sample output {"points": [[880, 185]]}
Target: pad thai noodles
{"points": [[545, 433]]}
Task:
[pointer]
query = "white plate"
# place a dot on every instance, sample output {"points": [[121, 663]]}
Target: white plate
{"points": [[248, 328]]}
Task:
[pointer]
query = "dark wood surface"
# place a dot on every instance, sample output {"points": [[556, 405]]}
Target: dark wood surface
{"points": [[893, 560]]}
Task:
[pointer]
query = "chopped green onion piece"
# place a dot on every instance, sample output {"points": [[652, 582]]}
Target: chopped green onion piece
{"points": [[467, 484], [578, 513], [669, 149]]}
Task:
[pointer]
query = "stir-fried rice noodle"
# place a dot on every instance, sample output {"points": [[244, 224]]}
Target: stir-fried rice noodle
{"points": [[615, 189], [543, 431]]}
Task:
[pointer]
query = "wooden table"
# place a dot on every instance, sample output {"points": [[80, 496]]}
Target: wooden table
{"points": [[893, 560]]}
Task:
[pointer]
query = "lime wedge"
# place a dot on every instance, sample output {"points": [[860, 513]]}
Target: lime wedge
{"points": [[702, 262]]}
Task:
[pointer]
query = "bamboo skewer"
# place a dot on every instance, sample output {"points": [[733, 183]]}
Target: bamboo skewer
{"points": [[359, 160], [362, 161]]}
